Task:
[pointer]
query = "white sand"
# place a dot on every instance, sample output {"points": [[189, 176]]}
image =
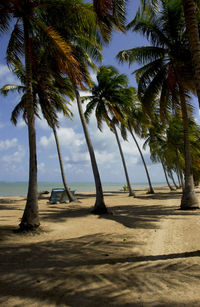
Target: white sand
{"points": [[146, 253]]}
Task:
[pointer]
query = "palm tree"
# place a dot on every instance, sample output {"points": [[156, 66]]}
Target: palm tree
{"points": [[167, 69], [190, 12], [110, 13], [50, 100], [35, 18], [50, 87], [32, 19], [99, 206], [137, 122], [88, 47], [157, 144], [108, 98], [113, 128]]}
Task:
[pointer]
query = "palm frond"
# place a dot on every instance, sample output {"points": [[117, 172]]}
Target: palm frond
{"points": [[141, 54], [19, 108], [15, 46], [7, 88]]}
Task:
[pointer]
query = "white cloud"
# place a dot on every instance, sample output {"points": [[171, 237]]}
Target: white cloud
{"points": [[103, 157], [6, 76], [6, 144], [16, 157], [133, 160], [78, 157], [21, 123], [42, 123], [67, 137], [44, 141]]}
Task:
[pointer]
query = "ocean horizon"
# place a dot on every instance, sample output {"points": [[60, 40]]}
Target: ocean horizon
{"points": [[20, 188]]}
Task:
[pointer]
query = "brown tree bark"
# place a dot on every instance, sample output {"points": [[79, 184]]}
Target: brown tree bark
{"points": [[151, 190], [169, 185], [131, 192], [189, 199], [193, 35], [69, 194], [173, 180], [99, 207], [30, 218]]}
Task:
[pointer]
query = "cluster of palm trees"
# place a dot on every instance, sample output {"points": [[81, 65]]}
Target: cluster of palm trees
{"points": [[54, 44], [167, 72]]}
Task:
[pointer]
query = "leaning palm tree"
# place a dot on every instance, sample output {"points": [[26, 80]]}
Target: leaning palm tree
{"points": [[87, 48], [167, 71], [136, 123], [34, 18], [108, 98], [191, 12], [49, 100], [156, 141], [99, 206]]}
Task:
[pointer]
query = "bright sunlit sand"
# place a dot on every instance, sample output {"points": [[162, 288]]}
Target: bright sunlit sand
{"points": [[145, 252]]}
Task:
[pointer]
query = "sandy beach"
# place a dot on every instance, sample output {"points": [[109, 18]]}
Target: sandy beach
{"points": [[145, 252]]}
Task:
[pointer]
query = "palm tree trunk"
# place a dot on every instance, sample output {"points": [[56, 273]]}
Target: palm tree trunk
{"points": [[182, 179], [189, 199], [30, 218], [69, 194], [172, 178], [99, 207], [170, 187], [179, 177], [131, 192], [179, 173], [193, 35], [150, 191]]}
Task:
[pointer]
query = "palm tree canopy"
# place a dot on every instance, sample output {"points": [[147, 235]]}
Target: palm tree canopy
{"points": [[59, 36], [111, 13], [167, 58], [109, 96], [50, 99]]}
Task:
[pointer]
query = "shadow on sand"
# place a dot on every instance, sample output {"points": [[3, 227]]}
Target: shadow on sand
{"points": [[98, 269], [91, 270]]}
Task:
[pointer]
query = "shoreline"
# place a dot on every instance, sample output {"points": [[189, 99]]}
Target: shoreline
{"points": [[156, 188], [21, 188]]}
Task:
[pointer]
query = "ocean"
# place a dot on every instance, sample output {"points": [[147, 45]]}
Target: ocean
{"points": [[20, 188]]}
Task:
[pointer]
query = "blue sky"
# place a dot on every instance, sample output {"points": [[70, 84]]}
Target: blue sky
{"points": [[14, 155]]}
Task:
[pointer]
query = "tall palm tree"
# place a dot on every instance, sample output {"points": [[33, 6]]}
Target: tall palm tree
{"points": [[156, 141], [36, 18], [108, 98], [167, 69], [31, 18], [99, 206], [190, 12], [136, 123], [87, 48], [49, 92], [50, 87]]}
